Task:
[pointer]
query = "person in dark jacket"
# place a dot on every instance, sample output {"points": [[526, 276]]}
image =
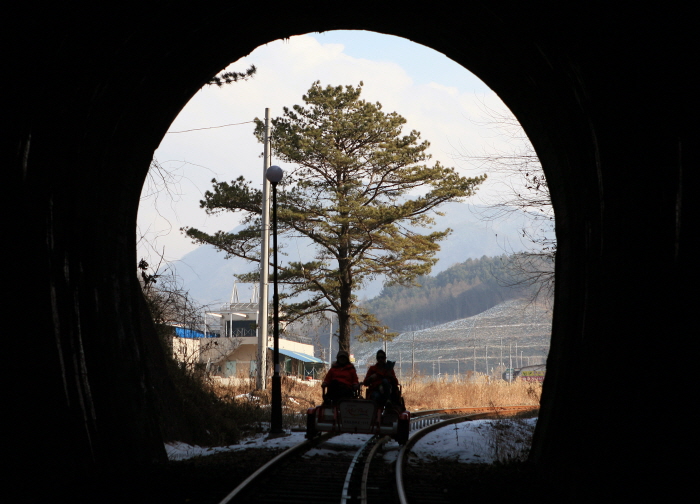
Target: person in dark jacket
{"points": [[341, 379], [381, 380]]}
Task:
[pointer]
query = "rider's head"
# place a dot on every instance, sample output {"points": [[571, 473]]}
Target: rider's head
{"points": [[381, 356], [342, 357]]}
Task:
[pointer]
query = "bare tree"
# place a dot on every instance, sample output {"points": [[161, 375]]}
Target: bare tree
{"points": [[168, 301], [171, 306], [522, 188], [165, 182]]}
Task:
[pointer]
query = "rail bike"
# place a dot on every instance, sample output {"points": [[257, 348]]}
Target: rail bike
{"points": [[361, 416]]}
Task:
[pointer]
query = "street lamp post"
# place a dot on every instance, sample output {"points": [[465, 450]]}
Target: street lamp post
{"points": [[274, 174]]}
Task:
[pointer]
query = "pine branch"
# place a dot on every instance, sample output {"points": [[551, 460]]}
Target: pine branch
{"points": [[231, 77]]}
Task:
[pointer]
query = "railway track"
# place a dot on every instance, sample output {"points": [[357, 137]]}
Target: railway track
{"points": [[352, 468]]}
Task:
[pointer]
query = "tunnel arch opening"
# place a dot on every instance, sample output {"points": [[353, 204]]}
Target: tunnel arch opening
{"points": [[193, 134], [185, 84]]}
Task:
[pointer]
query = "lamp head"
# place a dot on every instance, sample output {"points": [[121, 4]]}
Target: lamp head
{"points": [[274, 174]]}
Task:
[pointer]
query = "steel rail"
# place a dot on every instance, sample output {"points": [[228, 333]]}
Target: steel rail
{"points": [[423, 418], [418, 420], [478, 409], [365, 472], [263, 469], [355, 460], [417, 436]]}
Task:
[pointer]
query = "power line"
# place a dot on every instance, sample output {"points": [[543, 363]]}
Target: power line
{"points": [[212, 127]]}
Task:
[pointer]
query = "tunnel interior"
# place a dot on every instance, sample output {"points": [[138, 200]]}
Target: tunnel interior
{"points": [[80, 145]]}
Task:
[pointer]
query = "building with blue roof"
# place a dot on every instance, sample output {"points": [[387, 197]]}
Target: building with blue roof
{"points": [[227, 346]]}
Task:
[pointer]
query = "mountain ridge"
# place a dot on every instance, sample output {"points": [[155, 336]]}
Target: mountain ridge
{"points": [[209, 278]]}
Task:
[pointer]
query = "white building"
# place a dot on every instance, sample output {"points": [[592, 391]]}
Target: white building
{"points": [[228, 346]]}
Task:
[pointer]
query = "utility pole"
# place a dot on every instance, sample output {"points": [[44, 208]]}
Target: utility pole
{"points": [[510, 363], [413, 357], [486, 357], [261, 375], [330, 340]]}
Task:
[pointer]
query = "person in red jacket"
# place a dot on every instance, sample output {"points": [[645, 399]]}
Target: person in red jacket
{"points": [[341, 379], [381, 380]]}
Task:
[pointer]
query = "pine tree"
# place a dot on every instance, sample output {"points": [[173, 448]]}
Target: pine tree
{"points": [[358, 191]]}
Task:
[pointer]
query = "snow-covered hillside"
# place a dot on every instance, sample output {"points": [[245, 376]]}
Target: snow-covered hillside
{"points": [[515, 333]]}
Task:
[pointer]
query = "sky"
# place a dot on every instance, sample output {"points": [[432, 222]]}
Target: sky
{"points": [[438, 97], [465, 442]]}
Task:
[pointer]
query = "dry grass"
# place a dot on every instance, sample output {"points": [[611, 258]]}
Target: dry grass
{"points": [[423, 393], [419, 393]]}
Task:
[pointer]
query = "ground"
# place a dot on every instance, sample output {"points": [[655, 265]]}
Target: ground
{"points": [[459, 460]]}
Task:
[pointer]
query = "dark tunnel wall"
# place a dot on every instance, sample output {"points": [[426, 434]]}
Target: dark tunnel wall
{"points": [[607, 97]]}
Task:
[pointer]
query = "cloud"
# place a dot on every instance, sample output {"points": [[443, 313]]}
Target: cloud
{"points": [[442, 113]]}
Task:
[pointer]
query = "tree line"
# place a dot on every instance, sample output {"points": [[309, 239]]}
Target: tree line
{"points": [[460, 291]]}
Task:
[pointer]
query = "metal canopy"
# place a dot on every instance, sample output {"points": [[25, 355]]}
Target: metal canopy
{"points": [[300, 356]]}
